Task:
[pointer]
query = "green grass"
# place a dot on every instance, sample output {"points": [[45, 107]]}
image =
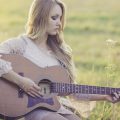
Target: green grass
{"points": [[89, 24]]}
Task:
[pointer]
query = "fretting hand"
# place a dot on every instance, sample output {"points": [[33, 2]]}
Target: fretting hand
{"points": [[114, 98]]}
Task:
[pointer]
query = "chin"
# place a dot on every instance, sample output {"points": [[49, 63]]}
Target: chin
{"points": [[54, 33]]}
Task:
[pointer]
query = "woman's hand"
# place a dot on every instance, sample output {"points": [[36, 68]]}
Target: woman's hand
{"points": [[26, 84], [30, 87], [114, 98]]}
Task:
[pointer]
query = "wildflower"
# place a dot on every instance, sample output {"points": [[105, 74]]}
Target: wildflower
{"points": [[111, 42]]}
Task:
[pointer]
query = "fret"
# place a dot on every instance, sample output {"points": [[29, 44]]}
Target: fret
{"points": [[72, 88], [60, 84], [98, 90], [68, 88], [112, 90], [80, 89], [115, 89], [55, 86], [102, 90], [83, 89], [108, 91], [63, 87], [105, 91], [52, 87], [76, 89], [89, 89], [86, 89], [94, 90], [59, 87]]}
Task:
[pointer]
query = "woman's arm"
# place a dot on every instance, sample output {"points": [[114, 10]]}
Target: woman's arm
{"points": [[26, 84], [95, 97], [6, 71]]}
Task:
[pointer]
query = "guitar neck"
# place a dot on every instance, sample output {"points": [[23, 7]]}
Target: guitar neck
{"points": [[84, 89]]}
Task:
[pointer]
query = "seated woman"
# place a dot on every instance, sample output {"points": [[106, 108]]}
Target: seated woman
{"points": [[43, 44]]}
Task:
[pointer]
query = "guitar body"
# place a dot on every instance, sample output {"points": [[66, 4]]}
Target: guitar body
{"points": [[14, 102]]}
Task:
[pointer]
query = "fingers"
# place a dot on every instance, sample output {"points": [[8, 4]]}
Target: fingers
{"points": [[29, 93], [34, 94], [116, 96], [34, 91], [31, 88], [36, 87]]}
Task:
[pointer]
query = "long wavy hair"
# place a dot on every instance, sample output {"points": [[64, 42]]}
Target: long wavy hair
{"points": [[36, 29]]}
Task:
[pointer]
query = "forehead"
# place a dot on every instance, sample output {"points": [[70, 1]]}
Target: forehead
{"points": [[56, 10]]}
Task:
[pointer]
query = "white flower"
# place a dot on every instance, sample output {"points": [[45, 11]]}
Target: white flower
{"points": [[111, 42]]}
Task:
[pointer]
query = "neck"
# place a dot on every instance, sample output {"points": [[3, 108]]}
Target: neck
{"points": [[42, 43]]}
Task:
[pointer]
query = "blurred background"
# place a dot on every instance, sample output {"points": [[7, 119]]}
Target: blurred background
{"points": [[93, 32]]}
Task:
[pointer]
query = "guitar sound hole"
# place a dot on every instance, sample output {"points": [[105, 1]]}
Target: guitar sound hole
{"points": [[45, 87]]}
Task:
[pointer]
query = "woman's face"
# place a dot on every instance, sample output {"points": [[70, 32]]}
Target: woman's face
{"points": [[54, 22]]}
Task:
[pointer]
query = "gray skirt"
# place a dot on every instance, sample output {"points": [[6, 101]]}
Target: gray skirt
{"points": [[39, 114]]}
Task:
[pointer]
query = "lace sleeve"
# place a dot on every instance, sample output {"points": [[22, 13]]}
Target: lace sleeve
{"points": [[11, 46], [5, 67]]}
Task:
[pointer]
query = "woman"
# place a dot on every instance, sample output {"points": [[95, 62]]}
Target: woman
{"points": [[43, 44]]}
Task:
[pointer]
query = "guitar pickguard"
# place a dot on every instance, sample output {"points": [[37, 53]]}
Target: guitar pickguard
{"points": [[34, 101]]}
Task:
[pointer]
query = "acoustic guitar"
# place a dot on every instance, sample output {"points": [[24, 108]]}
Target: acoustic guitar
{"points": [[54, 81]]}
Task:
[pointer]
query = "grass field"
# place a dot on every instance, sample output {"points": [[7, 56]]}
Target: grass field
{"points": [[92, 31]]}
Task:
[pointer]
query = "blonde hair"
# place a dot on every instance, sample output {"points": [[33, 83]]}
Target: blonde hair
{"points": [[36, 29]]}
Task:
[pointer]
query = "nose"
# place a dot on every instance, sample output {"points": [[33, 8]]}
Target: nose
{"points": [[58, 22]]}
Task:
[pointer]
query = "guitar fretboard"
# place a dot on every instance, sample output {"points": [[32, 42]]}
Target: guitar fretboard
{"points": [[84, 89]]}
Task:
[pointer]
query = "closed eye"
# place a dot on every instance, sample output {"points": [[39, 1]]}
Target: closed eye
{"points": [[55, 17]]}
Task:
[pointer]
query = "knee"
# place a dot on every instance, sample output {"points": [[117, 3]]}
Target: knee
{"points": [[37, 115], [54, 116], [72, 117]]}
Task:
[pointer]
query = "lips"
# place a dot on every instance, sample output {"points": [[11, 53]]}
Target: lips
{"points": [[57, 28]]}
